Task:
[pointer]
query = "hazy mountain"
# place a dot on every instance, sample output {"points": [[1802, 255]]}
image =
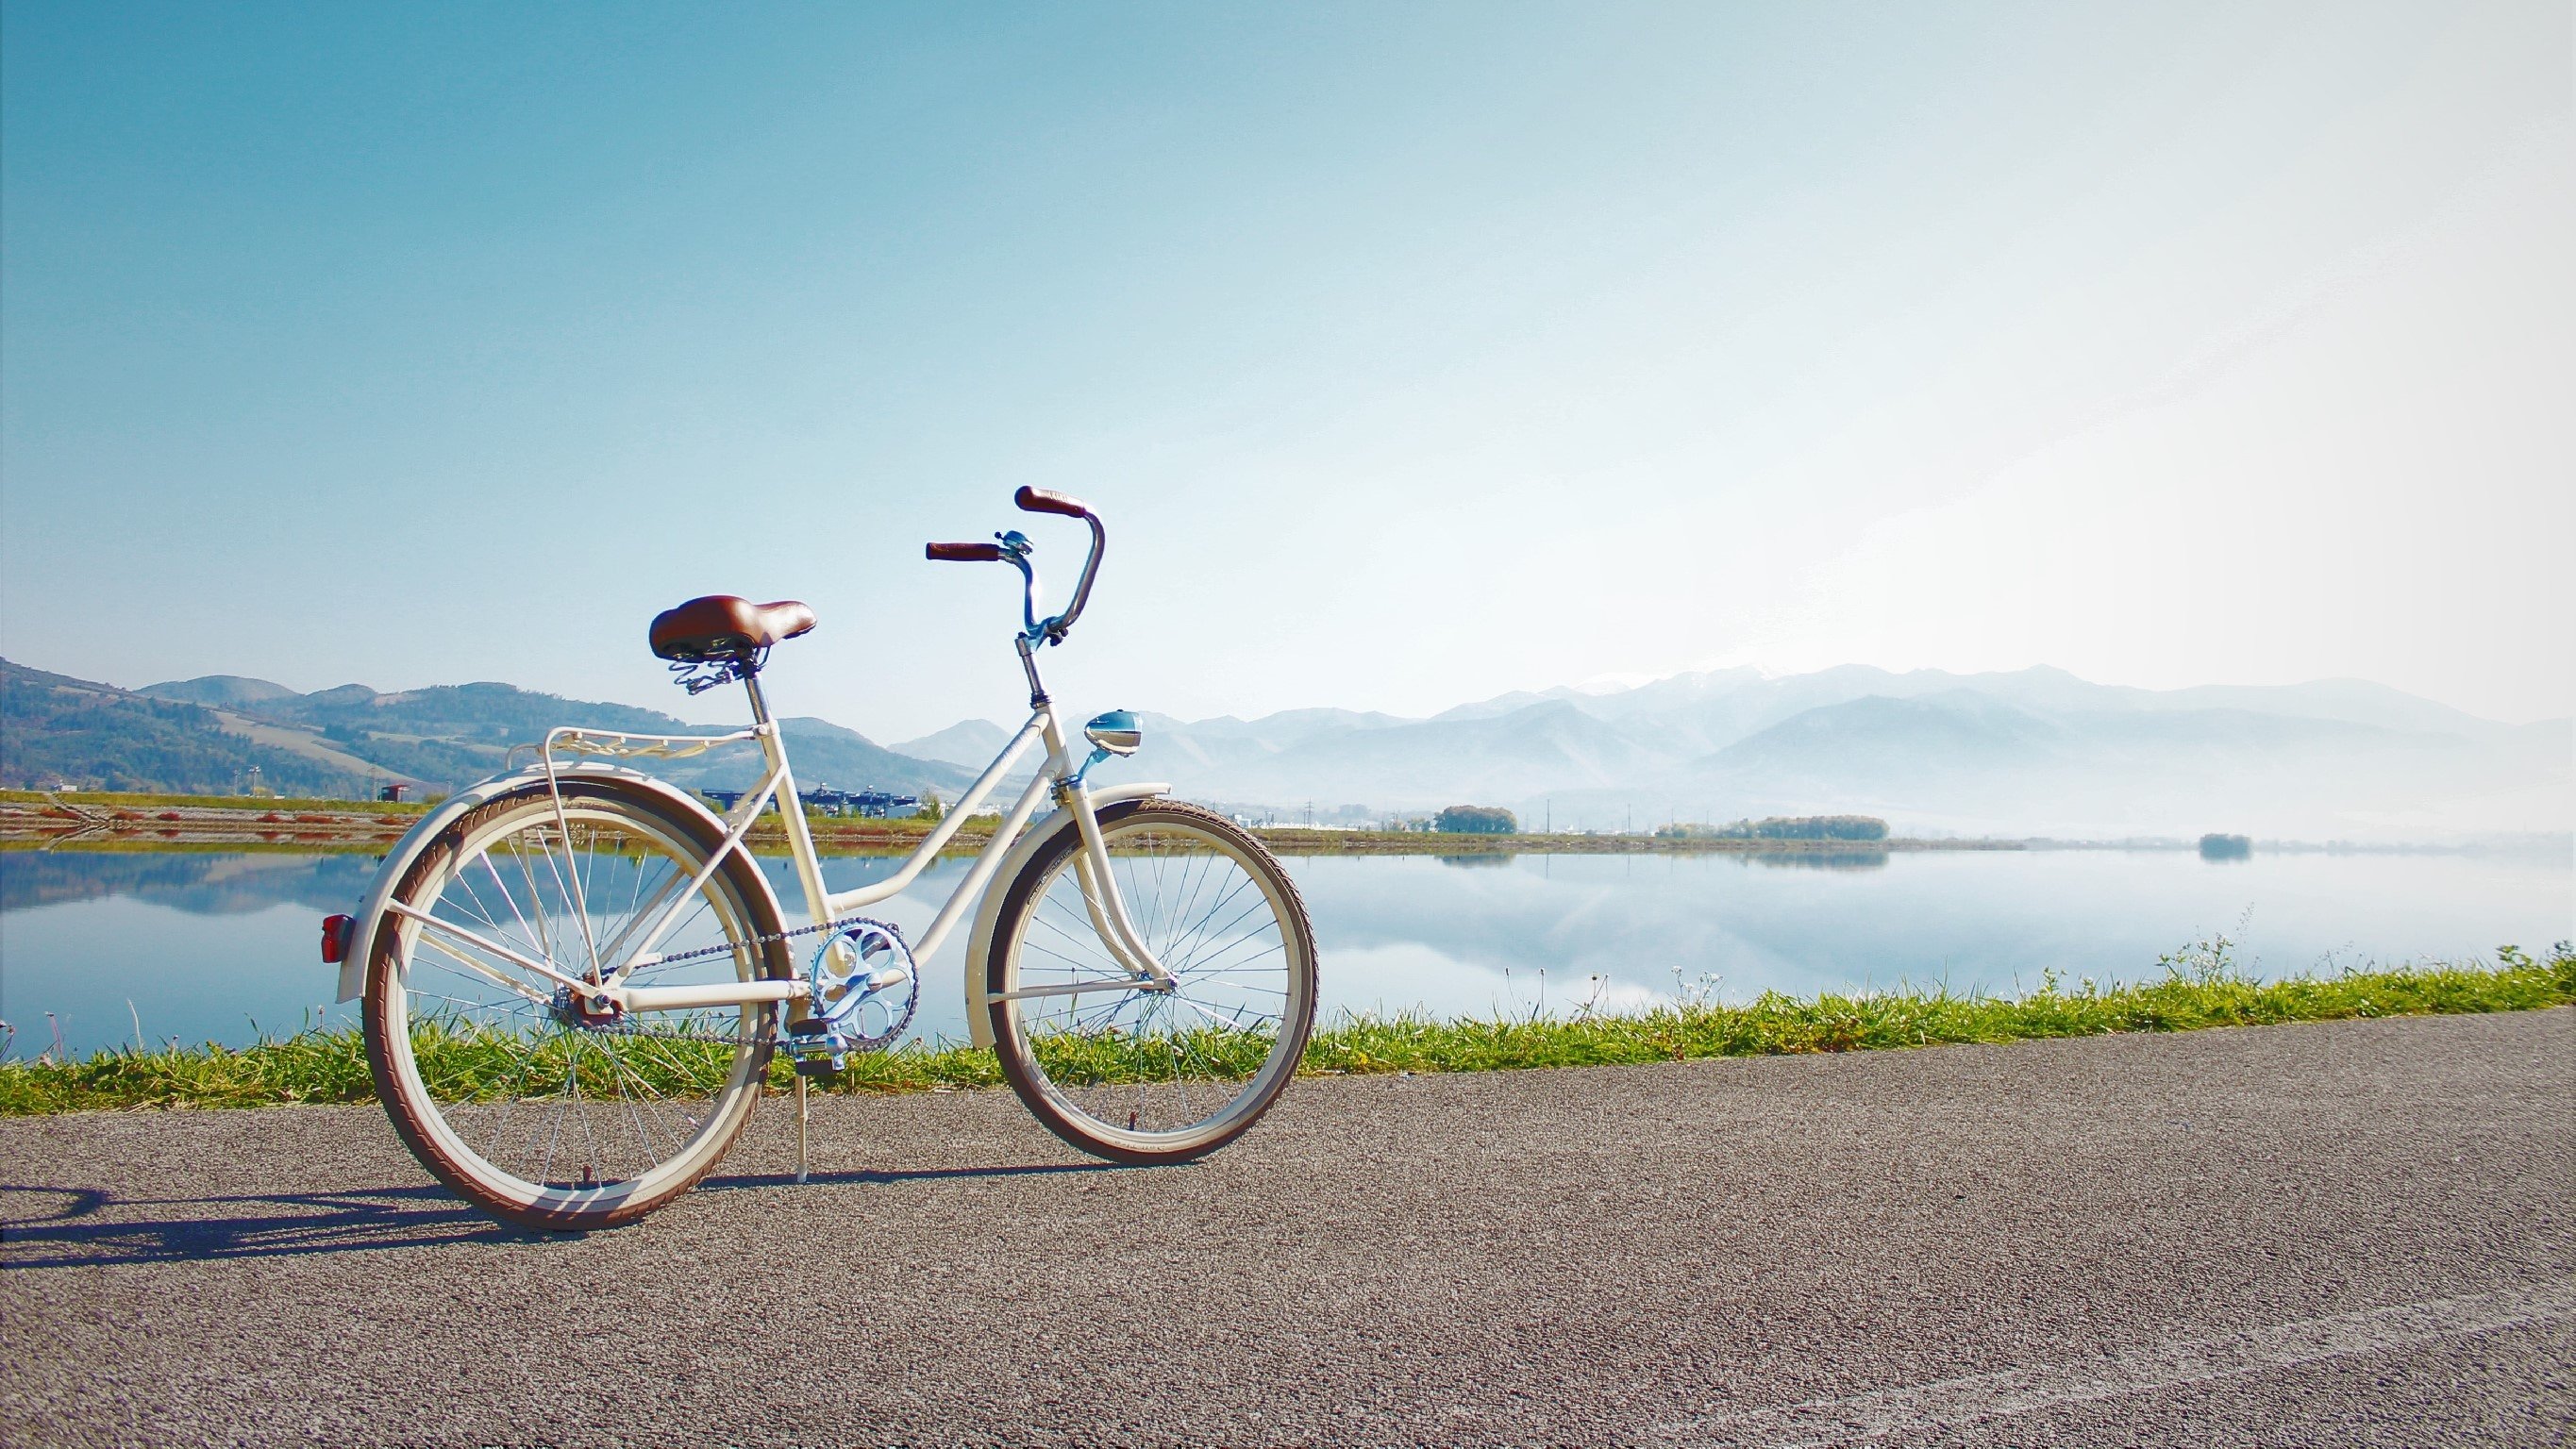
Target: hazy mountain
{"points": [[1380, 761], [971, 742], [202, 736], [2356, 700], [824, 755], [1966, 761], [55, 729], [2035, 751], [219, 689], [1230, 748]]}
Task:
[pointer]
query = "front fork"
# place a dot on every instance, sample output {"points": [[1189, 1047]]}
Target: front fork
{"points": [[1100, 896]]}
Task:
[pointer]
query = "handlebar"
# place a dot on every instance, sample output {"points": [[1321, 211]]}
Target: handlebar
{"points": [[1016, 549], [1039, 500]]}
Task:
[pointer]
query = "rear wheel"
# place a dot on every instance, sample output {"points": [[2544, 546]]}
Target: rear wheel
{"points": [[1148, 1076], [529, 1106]]}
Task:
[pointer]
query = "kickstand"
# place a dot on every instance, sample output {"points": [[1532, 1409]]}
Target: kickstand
{"points": [[800, 1127]]}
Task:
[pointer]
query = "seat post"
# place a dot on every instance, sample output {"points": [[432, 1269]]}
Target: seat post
{"points": [[791, 817]]}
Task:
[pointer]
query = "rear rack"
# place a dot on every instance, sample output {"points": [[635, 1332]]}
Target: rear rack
{"points": [[624, 745]]}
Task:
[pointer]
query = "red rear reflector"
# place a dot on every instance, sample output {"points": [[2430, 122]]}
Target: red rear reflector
{"points": [[335, 939]]}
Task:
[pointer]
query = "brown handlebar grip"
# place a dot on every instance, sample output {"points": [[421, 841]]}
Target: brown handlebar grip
{"points": [[962, 552], [1038, 500]]}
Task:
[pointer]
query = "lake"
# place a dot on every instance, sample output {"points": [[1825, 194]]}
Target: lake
{"points": [[221, 947]]}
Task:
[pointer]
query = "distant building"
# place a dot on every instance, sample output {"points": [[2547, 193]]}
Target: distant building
{"points": [[824, 800], [873, 804]]}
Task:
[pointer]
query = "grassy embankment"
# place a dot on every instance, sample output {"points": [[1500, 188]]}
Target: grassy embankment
{"points": [[2200, 988]]}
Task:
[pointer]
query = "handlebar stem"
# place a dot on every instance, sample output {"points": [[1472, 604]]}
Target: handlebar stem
{"points": [[1016, 547], [1029, 666]]}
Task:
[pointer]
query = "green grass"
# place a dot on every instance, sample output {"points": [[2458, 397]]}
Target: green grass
{"points": [[2201, 987]]}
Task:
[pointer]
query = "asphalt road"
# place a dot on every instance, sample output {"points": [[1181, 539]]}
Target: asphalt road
{"points": [[2356, 1233]]}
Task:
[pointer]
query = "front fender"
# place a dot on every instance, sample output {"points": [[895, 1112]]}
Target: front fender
{"points": [[362, 932], [988, 911]]}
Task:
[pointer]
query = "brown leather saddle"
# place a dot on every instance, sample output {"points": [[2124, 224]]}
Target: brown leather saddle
{"points": [[721, 627]]}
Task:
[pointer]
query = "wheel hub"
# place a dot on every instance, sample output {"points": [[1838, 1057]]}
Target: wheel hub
{"points": [[584, 1012]]}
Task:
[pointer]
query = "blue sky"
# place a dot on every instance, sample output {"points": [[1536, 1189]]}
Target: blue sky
{"points": [[1414, 353]]}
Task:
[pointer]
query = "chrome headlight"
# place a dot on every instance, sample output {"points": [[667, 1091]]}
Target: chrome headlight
{"points": [[1115, 731]]}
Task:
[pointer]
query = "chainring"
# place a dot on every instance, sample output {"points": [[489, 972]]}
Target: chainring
{"points": [[868, 1006]]}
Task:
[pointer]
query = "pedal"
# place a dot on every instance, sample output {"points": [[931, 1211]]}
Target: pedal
{"points": [[814, 1048]]}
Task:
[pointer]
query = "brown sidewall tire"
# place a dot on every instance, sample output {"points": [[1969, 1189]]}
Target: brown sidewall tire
{"points": [[758, 911], [1015, 903]]}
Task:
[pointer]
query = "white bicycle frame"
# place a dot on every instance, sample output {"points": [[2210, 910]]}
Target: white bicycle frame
{"points": [[604, 982], [1060, 776]]}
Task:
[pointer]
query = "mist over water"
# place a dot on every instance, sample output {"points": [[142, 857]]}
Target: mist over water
{"points": [[223, 947]]}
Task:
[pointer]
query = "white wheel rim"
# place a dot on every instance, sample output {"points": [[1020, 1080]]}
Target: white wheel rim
{"points": [[642, 1122], [1232, 976]]}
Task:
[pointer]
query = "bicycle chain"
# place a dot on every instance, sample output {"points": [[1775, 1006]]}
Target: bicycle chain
{"points": [[775, 937], [770, 939]]}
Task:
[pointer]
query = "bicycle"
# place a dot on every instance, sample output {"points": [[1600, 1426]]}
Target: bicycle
{"points": [[575, 975]]}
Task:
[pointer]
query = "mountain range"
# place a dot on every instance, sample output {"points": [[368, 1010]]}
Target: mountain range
{"points": [[205, 735], [2027, 752], [2033, 751]]}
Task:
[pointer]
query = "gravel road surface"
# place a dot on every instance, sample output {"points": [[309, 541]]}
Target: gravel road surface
{"points": [[2352, 1233]]}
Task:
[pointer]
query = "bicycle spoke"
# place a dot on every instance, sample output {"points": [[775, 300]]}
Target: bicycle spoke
{"points": [[522, 1098], [1172, 1063]]}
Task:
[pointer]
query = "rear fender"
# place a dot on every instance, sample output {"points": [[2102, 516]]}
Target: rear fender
{"points": [[988, 912], [362, 931]]}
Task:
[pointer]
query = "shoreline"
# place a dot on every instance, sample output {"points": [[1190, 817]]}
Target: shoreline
{"points": [[40, 820], [108, 822]]}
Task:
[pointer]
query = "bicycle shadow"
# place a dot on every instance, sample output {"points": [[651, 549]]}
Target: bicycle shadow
{"points": [[889, 1176], [77, 1233]]}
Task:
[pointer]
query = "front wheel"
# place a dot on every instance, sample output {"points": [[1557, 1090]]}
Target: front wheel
{"points": [[1153, 1075]]}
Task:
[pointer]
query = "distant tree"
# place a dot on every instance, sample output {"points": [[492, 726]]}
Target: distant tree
{"points": [[1821, 827], [1477, 820], [931, 809]]}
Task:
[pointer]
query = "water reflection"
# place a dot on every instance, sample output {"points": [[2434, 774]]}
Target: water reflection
{"points": [[200, 882], [202, 946], [1821, 859]]}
